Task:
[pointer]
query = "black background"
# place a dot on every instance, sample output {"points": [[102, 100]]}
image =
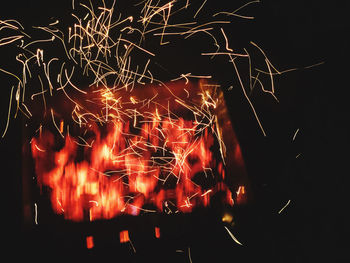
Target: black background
{"points": [[293, 34]]}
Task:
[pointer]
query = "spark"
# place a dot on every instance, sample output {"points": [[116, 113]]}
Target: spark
{"points": [[266, 58], [39, 41], [189, 75], [315, 65], [295, 134], [39, 149], [54, 123], [132, 245], [189, 255], [284, 207], [233, 13], [232, 236], [143, 209], [7, 40], [200, 8], [207, 192], [226, 41], [11, 74], [8, 114], [224, 53], [36, 213], [246, 96]]}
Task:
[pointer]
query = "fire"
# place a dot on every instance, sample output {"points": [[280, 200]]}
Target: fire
{"points": [[156, 158], [124, 236], [157, 232], [89, 242]]}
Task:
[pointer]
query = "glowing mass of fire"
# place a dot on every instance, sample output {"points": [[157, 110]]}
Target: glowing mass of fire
{"points": [[151, 156]]}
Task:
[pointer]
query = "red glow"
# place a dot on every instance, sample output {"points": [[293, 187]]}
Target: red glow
{"points": [[89, 242], [160, 159], [157, 232], [124, 236]]}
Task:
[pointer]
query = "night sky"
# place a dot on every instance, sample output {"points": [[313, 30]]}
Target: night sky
{"points": [[293, 34]]}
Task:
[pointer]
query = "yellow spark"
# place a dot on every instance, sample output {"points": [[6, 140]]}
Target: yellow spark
{"points": [[53, 120], [235, 11], [284, 207], [39, 149], [226, 41], [232, 236], [189, 255], [246, 96], [8, 114], [7, 40], [200, 8], [295, 134], [207, 192]]}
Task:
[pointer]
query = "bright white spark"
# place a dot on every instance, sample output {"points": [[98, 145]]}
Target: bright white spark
{"points": [[35, 213]]}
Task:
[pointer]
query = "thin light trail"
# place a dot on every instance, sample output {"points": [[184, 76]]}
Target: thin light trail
{"points": [[233, 237], [284, 207]]}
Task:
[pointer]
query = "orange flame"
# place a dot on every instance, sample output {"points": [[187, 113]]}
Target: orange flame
{"points": [[124, 236], [165, 161], [157, 232], [89, 242]]}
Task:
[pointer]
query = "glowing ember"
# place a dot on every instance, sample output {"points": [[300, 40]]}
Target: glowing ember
{"points": [[157, 232], [150, 156], [89, 242], [124, 236]]}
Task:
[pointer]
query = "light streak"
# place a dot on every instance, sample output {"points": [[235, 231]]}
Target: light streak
{"points": [[246, 96], [11, 74], [226, 41], [295, 134], [224, 53], [233, 13], [207, 192], [200, 8], [284, 207], [189, 75], [232, 236], [8, 114], [39, 41], [54, 123], [36, 213], [39, 149], [8, 40], [189, 254]]}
